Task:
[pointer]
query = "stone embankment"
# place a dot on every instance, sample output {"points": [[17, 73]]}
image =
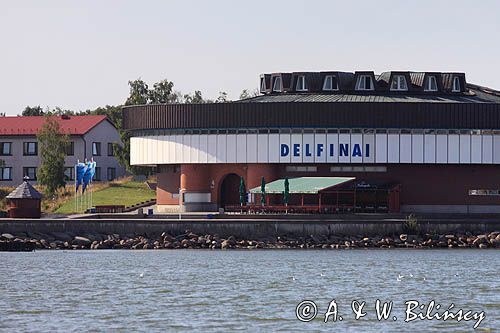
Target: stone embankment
{"points": [[190, 240]]}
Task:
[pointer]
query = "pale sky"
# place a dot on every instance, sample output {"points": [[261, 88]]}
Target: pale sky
{"points": [[80, 54]]}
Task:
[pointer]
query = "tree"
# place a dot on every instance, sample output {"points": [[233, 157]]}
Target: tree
{"points": [[245, 93], [139, 93], [162, 93], [33, 111], [52, 143], [195, 98], [222, 97]]}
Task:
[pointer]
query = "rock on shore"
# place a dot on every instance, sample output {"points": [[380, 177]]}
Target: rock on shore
{"points": [[189, 240]]}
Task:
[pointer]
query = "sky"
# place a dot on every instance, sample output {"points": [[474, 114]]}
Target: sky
{"points": [[80, 55]]}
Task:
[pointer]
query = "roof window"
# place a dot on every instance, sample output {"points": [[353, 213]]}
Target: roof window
{"points": [[301, 83], [364, 82], [330, 83], [431, 84], [277, 84], [262, 84], [456, 84], [399, 83]]}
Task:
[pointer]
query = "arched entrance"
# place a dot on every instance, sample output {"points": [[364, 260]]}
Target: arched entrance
{"points": [[230, 190]]}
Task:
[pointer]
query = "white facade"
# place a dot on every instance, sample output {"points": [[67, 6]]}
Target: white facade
{"points": [[332, 146]]}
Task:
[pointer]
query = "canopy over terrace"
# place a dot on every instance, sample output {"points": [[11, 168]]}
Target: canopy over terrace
{"points": [[305, 193], [303, 185]]}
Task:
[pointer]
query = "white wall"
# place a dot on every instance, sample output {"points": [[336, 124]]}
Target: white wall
{"points": [[268, 148]]}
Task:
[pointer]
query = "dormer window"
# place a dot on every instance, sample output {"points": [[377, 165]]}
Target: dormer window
{"points": [[364, 82], [399, 83], [301, 83], [456, 84], [262, 84], [431, 84], [277, 84], [330, 83]]}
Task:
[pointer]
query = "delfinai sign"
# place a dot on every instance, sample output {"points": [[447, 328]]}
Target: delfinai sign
{"points": [[319, 149], [471, 148]]}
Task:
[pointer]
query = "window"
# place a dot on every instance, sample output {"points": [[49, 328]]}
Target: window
{"points": [[456, 84], [349, 168], [431, 84], [262, 84], [29, 172], [399, 83], [111, 173], [330, 83], [70, 149], [69, 173], [301, 83], [294, 168], [30, 148], [5, 148], [111, 151], [96, 149], [364, 82], [484, 192], [97, 174], [277, 84], [5, 173]]}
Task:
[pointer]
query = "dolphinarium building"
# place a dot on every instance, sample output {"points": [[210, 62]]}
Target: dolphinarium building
{"points": [[423, 142]]}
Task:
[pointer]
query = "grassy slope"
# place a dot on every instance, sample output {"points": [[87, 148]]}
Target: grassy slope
{"points": [[116, 194]]}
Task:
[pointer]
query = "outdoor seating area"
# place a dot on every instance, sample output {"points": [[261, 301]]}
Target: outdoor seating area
{"points": [[320, 195]]}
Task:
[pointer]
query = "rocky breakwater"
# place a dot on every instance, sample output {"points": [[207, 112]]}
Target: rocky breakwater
{"points": [[190, 240]]}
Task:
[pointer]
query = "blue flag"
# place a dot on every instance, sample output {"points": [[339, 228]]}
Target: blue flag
{"points": [[81, 168], [87, 176]]}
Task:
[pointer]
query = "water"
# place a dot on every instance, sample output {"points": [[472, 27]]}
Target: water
{"points": [[224, 291]]}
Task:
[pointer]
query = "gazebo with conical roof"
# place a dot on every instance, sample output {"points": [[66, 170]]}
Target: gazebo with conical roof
{"points": [[24, 201]]}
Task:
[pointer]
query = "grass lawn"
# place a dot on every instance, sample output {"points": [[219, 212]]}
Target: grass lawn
{"points": [[127, 194]]}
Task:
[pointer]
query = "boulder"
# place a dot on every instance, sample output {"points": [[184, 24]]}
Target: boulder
{"points": [[79, 240], [8, 236]]}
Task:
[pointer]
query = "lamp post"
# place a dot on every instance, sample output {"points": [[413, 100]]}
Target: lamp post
{"points": [[180, 202]]}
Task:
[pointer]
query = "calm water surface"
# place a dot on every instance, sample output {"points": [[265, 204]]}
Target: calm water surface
{"points": [[224, 291]]}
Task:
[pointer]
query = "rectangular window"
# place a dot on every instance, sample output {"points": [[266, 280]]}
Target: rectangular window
{"points": [[111, 174], [5, 173], [96, 149], [277, 84], [364, 83], [29, 172], [348, 168], [111, 151], [5, 148], [30, 148], [69, 173], [330, 83], [97, 175], [70, 149], [456, 84], [399, 83], [431, 84], [295, 168], [301, 83], [484, 192]]}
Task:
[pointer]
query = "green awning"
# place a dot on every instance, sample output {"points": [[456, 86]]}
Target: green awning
{"points": [[303, 185]]}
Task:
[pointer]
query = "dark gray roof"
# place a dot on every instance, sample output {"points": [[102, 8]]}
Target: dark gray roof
{"points": [[25, 191], [476, 95]]}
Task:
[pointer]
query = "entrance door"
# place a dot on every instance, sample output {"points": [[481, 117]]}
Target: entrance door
{"points": [[230, 190]]}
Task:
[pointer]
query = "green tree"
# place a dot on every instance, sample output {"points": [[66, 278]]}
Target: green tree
{"points": [[52, 143], [162, 93], [245, 93], [33, 111], [222, 97], [139, 93], [195, 98]]}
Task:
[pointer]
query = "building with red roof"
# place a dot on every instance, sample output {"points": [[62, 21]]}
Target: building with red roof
{"points": [[91, 136]]}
